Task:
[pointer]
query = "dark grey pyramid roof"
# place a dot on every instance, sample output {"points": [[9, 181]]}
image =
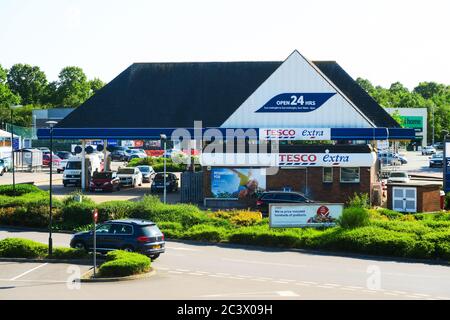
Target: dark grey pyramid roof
{"points": [[173, 95]]}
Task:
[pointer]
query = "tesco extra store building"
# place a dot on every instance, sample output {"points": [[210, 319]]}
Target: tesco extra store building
{"points": [[325, 124]]}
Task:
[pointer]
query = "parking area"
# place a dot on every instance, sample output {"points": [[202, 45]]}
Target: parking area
{"points": [[42, 180]]}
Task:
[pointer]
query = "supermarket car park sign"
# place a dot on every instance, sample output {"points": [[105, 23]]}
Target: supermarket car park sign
{"points": [[296, 102], [295, 134], [304, 215]]}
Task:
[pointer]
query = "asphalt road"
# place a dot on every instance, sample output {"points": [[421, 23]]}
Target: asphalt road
{"points": [[197, 271]]}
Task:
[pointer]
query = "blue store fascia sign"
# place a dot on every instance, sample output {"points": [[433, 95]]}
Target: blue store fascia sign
{"points": [[296, 102]]}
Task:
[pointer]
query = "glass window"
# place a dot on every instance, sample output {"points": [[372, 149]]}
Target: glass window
{"points": [[104, 228], [122, 229], [328, 175], [350, 175]]}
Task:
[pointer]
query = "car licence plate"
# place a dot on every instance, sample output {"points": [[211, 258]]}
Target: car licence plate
{"points": [[73, 181], [98, 189], [156, 247]]}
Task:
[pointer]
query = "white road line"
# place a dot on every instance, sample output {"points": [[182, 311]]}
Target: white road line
{"points": [[287, 280], [399, 292], [223, 274], [310, 282], [255, 279], [177, 272], [443, 298], [390, 294], [281, 282], [286, 293], [183, 270], [266, 263], [421, 295], [196, 274], [27, 272], [325, 287], [332, 284], [180, 248], [39, 281], [303, 284], [348, 289]]}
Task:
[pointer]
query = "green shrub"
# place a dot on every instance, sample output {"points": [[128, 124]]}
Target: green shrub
{"points": [[359, 201], [77, 213], [151, 208], [74, 196], [238, 217], [171, 230], [391, 214], [354, 217], [447, 201], [21, 189], [403, 226], [117, 209], [204, 232], [22, 248], [121, 263]]}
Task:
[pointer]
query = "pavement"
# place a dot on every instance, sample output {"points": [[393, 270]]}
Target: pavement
{"points": [[190, 270]]}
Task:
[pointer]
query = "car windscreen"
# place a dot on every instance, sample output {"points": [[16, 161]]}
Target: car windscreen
{"points": [[398, 175], [144, 169], [102, 175], [126, 171], [73, 165], [160, 176], [151, 230], [438, 156]]}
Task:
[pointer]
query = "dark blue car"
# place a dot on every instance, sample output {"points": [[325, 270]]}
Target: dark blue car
{"points": [[128, 234]]}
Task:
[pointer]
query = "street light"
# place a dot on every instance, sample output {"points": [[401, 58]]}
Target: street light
{"points": [[50, 242], [164, 138], [12, 148]]}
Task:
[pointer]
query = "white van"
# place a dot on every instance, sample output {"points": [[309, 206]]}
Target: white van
{"points": [[72, 171]]}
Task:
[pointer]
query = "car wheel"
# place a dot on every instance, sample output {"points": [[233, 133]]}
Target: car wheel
{"points": [[128, 249], [154, 256], [80, 245], [2, 172]]}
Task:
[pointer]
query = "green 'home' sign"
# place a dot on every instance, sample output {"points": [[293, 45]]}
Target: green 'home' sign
{"points": [[413, 122]]}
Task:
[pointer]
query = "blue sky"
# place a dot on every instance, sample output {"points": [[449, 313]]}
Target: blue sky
{"points": [[382, 40]]}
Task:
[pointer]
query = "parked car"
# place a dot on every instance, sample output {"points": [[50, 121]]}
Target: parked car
{"points": [[2, 167], [127, 234], [44, 149], [439, 145], [72, 171], [46, 160], [437, 160], [104, 181], [62, 165], [390, 158], [147, 173], [130, 177], [64, 155], [399, 176], [7, 163], [428, 150], [135, 153], [171, 182], [268, 197], [119, 155]]}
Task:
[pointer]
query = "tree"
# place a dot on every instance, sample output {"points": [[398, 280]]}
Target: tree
{"points": [[365, 84], [28, 82], [72, 88], [95, 85], [430, 89], [7, 97]]}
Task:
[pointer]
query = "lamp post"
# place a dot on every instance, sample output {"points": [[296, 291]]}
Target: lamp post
{"points": [[164, 138], [432, 135], [12, 149], [50, 241]]}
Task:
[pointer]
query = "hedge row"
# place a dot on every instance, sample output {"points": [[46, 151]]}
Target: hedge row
{"points": [[121, 263], [24, 248]]}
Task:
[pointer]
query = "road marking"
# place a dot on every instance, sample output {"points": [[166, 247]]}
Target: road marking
{"points": [[39, 281], [163, 268], [266, 263], [310, 282], [303, 284], [181, 248], [196, 274], [348, 289], [255, 279], [390, 294], [183, 270], [288, 280], [27, 272], [281, 282], [325, 287], [223, 274], [443, 298], [399, 292], [286, 293], [332, 285], [177, 272], [421, 295]]}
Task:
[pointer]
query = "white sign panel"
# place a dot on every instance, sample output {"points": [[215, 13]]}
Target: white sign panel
{"points": [[289, 159], [295, 134], [304, 215]]}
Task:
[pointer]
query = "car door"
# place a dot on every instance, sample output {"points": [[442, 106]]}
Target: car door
{"points": [[121, 235], [104, 237]]}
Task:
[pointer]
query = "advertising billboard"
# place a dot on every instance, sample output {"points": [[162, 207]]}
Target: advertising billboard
{"points": [[237, 183], [304, 215], [295, 134]]}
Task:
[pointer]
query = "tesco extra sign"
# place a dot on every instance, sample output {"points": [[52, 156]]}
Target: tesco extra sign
{"points": [[295, 134], [326, 159]]}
